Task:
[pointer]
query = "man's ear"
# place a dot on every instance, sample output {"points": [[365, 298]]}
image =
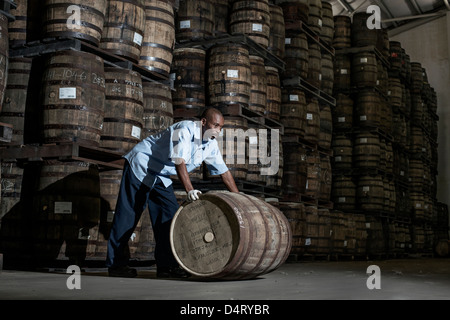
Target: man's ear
{"points": [[203, 120]]}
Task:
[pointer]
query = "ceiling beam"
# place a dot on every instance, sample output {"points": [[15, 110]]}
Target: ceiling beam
{"points": [[346, 6]]}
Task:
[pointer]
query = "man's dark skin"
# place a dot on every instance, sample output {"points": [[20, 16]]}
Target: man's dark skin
{"points": [[213, 123]]}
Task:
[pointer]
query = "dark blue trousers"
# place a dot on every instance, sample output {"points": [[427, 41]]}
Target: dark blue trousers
{"points": [[133, 198]]}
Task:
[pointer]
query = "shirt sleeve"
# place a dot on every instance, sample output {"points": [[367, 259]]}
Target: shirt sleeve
{"points": [[214, 161], [180, 145]]}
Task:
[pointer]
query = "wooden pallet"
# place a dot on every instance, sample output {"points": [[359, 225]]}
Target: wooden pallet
{"points": [[51, 45], [63, 152], [254, 47]]}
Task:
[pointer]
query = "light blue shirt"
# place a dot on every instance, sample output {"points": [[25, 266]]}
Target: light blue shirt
{"points": [[156, 156]]}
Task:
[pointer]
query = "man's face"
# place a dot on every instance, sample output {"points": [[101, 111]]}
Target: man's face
{"points": [[212, 126]]}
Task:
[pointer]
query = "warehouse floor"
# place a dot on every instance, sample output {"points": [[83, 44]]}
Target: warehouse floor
{"points": [[400, 279]]}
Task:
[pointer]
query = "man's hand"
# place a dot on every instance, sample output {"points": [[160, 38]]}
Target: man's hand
{"points": [[193, 195]]}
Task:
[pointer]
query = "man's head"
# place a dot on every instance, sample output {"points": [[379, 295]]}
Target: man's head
{"points": [[212, 123]]}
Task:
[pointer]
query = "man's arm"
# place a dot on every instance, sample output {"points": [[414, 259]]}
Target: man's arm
{"points": [[183, 175], [228, 180]]}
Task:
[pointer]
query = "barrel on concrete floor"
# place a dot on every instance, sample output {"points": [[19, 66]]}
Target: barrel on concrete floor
{"points": [[251, 18], [318, 227], [124, 110], [195, 20], [158, 108], [295, 214], [73, 98], [59, 21], [229, 74], [189, 96], [16, 93], [159, 37], [67, 208], [124, 27], [234, 236]]}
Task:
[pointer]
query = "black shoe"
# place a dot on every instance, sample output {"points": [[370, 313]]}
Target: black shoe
{"points": [[172, 272], [123, 272]]}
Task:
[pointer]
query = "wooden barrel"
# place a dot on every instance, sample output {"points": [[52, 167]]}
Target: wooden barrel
{"points": [[376, 241], [367, 108], [4, 56], [416, 175], [258, 90], [318, 226], [418, 238], [221, 17], [17, 29], [189, 96], [370, 193], [360, 233], [277, 33], [124, 110], [361, 34], [158, 108], [215, 237], [326, 178], [68, 206], [294, 11], [343, 193], [254, 164], [327, 32], [11, 186], [382, 78], [366, 150], [293, 111], [396, 55], [312, 124], [417, 142], [13, 109], [296, 216], [342, 146], [315, 65], [326, 127], [338, 232], [275, 180], [273, 110], [399, 129], [315, 16], [343, 112], [417, 78], [58, 22], [342, 72], [159, 37], [442, 248], [395, 93], [73, 98], [342, 32], [195, 20], [295, 169], [251, 18], [124, 28], [417, 110], [364, 70], [327, 72], [229, 74], [296, 56], [313, 174]]}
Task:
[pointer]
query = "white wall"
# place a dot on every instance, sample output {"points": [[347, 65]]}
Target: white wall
{"points": [[429, 44]]}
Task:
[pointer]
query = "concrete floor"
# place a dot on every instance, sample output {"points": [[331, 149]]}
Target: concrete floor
{"points": [[401, 279]]}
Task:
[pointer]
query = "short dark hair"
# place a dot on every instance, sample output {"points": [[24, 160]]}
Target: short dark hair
{"points": [[209, 111]]}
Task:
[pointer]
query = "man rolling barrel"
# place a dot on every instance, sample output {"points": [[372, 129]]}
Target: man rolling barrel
{"points": [[146, 182]]}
